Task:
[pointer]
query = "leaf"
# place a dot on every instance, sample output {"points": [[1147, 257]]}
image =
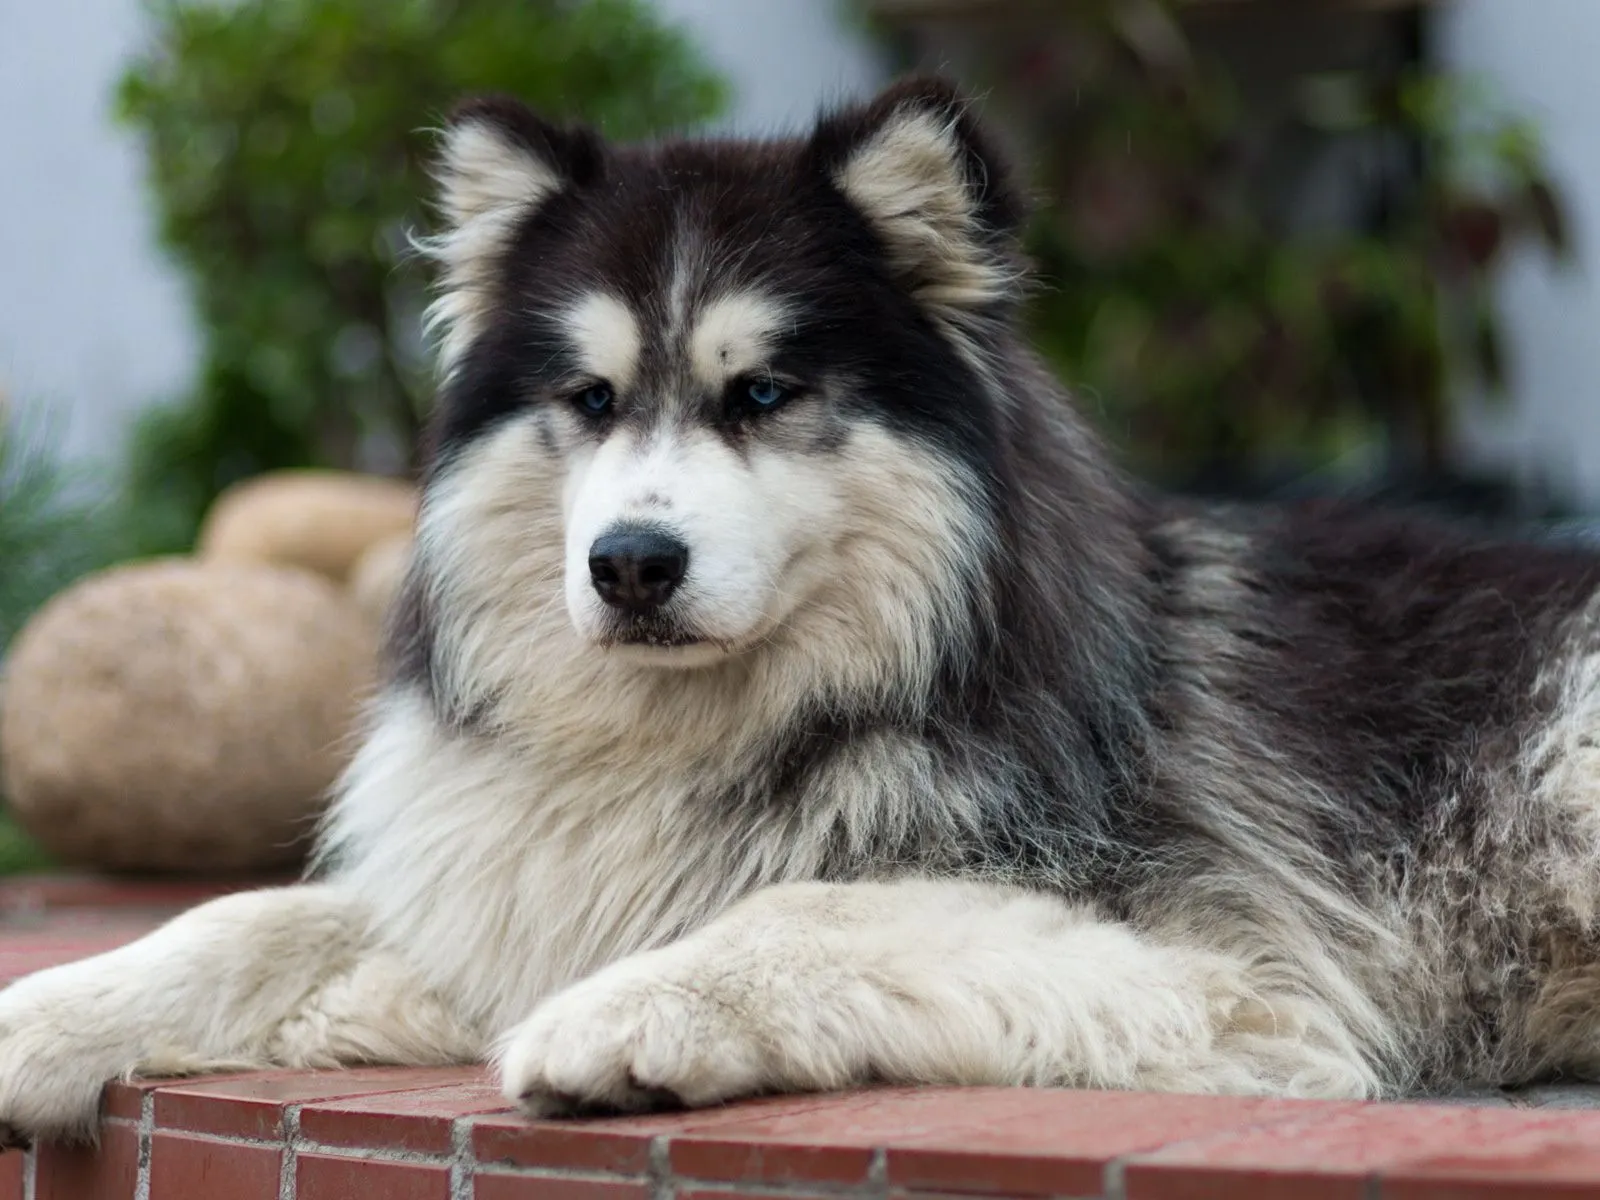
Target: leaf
{"points": [[1488, 350], [1549, 217], [286, 140]]}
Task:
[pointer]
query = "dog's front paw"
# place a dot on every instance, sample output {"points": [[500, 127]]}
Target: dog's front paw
{"points": [[58, 1049], [633, 1038]]}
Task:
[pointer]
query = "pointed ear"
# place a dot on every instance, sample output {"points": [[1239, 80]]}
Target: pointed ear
{"points": [[915, 164], [499, 162]]}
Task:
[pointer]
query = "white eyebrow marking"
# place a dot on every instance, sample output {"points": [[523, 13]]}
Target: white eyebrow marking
{"points": [[733, 334], [606, 335]]}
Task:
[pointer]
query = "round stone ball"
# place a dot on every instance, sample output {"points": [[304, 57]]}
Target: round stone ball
{"points": [[183, 716], [323, 521], [376, 578]]}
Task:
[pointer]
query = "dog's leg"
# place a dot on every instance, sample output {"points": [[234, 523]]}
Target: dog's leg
{"points": [[820, 986], [286, 976]]}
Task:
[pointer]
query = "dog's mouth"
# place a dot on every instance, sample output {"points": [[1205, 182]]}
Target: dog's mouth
{"points": [[653, 633]]}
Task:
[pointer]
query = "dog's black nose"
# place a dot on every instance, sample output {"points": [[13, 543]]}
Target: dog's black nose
{"points": [[636, 568]]}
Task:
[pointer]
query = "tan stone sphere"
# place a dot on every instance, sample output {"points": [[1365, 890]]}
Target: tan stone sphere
{"points": [[320, 520], [179, 715], [376, 578]]}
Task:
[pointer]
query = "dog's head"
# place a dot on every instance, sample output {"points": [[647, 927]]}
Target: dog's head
{"points": [[704, 398]]}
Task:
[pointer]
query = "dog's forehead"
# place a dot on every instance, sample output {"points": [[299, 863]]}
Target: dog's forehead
{"points": [[692, 278], [710, 336]]}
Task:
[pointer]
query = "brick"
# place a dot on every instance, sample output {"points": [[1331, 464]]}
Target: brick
{"points": [[621, 1147], [80, 1173], [1536, 1161], [12, 1165], [554, 1187], [618, 1144], [1055, 1142], [420, 1121], [71, 891], [251, 1106], [330, 1177], [182, 1167], [985, 1140], [750, 1161], [1337, 1155], [125, 1100]]}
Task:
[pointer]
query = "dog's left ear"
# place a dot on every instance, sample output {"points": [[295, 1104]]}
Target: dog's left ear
{"points": [[915, 164]]}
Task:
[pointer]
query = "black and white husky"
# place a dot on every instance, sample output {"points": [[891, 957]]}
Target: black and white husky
{"points": [[788, 694]]}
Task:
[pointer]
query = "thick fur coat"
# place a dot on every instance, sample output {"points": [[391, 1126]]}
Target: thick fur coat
{"points": [[788, 693]]}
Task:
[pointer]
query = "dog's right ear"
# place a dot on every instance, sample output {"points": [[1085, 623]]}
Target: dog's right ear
{"points": [[500, 156], [500, 161]]}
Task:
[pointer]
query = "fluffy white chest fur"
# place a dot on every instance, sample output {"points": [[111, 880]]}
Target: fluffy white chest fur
{"points": [[504, 876]]}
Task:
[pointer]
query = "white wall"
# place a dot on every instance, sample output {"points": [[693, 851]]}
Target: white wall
{"points": [[782, 58], [1541, 56], [93, 321]]}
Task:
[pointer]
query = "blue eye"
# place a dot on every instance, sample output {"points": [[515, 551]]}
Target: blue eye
{"points": [[766, 393], [595, 399]]}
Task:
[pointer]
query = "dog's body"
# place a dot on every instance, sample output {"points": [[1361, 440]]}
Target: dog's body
{"points": [[787, 694]]}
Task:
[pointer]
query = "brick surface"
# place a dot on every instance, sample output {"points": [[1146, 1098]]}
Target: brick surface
{"points": [[751, 1161], [417, 1120], [194, 1168], [1537, 1142], [251, 1106], [1064, 1141], [33, 893], [327, 1177], [1532, 1156], [622, 1147], [623, 1144], [80, 1173], [1013, 1141], [1336, 1156], [551, 1187]]}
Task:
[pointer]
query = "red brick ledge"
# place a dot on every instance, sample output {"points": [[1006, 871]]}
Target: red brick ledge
{"points": [[445, 1135]]}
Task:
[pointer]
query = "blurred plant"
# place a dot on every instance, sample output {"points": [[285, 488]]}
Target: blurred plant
{"points": [[1221, 333], [53, 529], [287, 143], [52, 532]]}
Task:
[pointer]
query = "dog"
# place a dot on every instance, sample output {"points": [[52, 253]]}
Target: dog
{"points": [[789, 693]]}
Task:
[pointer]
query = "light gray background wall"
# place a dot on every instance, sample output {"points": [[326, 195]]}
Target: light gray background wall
{"points": [[93, 322], [1542, 55]]}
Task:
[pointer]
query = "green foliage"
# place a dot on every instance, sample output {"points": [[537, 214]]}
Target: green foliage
{"points": [[50, 535], [288, 142], [52, 531], [1220, 331]]}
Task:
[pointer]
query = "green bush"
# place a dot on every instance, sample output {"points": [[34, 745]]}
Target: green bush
{"points": [[53, 529], [52, 532], [1225, 336], [288, 142]]}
